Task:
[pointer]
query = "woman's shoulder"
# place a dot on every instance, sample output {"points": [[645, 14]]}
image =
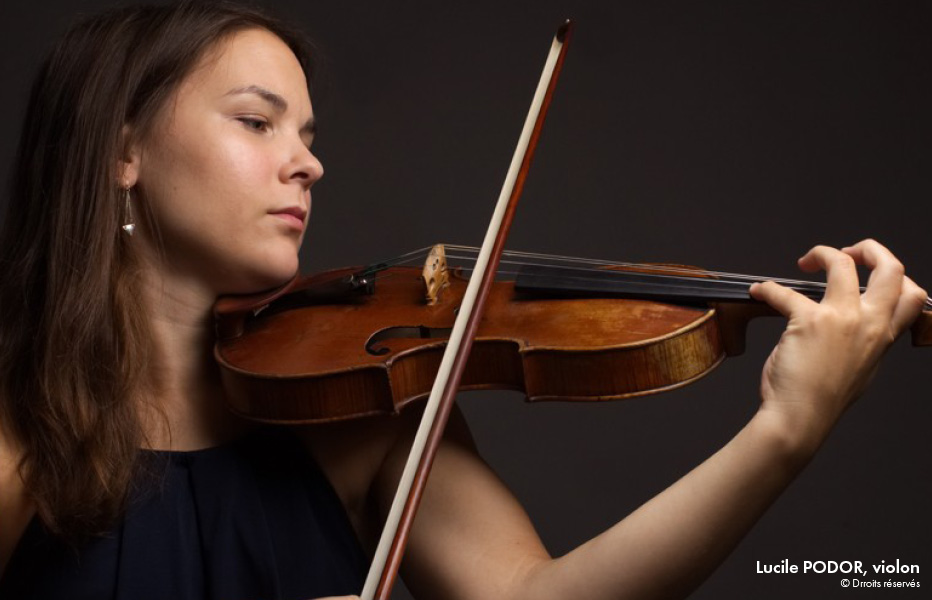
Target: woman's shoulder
{"points": [[15, 509]]}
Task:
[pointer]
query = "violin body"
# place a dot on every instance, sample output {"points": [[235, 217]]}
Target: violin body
{"points": [[358, 354]]}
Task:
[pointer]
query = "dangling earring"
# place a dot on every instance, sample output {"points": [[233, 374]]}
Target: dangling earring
{"points": [[130, 225]]}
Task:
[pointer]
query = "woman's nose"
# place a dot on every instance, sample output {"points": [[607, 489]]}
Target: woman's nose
{"points": [[304, 167]]}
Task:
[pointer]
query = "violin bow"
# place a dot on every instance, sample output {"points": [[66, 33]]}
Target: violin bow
{"points": [[387, 559]]}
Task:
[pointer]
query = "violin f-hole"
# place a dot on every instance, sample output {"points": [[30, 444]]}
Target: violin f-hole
{"points": [[416, 332]]}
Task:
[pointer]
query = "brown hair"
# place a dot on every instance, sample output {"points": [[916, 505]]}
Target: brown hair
{"points": [[73, 340]]}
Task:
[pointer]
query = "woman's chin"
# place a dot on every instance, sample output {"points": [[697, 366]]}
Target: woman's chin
{"points": [[254, 281]]}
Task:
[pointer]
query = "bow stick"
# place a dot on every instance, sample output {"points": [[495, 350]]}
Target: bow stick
{"points": [[387, 559]]}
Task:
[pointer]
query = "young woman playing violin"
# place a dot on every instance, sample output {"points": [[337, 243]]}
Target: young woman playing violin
{"points": [[166, 161]]}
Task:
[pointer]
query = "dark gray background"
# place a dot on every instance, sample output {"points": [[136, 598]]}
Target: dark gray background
{"points": [[731, 135]]}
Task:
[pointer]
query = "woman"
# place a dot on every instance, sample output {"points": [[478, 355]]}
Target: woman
{"points": [[183, 172]]}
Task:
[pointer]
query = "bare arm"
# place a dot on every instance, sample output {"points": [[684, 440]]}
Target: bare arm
{"points": [[472, 540]]}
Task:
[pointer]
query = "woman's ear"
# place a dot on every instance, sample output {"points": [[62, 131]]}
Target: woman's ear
{"points": [[128, 167]]}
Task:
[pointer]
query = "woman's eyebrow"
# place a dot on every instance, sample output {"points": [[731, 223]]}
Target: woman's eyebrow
{"points": [[275, 100]]}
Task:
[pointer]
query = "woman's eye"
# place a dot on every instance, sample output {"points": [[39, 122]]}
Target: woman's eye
{"points": [[254, 124]]}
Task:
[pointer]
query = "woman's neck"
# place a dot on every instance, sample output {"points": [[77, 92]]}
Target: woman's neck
{"points": [[184, 409]]}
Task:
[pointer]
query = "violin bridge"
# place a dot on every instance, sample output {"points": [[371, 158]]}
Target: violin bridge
{"points": [[435, 273]]}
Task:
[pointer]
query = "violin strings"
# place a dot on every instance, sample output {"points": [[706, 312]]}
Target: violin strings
{"points": [[694, 285], [593, 265], [589, 264], [664, 269], [698, 287], [690, 273], [701, 279], [694, 276]]}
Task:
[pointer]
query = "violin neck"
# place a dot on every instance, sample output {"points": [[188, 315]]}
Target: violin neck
{"points": [[659, 286]]}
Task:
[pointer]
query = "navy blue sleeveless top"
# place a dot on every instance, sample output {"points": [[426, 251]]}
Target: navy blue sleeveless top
{"points": [[251, 520]]}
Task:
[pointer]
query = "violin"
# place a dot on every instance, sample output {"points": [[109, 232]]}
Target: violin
{"points": [[365, 341]]}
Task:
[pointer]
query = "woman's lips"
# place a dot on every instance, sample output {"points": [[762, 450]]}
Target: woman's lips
{"points": [[292, 215]]}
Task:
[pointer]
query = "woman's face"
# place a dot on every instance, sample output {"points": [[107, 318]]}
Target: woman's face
{"points": [[227, 169]]}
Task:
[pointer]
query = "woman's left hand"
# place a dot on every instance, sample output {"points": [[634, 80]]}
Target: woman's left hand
{"points": [[830, 349]]}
